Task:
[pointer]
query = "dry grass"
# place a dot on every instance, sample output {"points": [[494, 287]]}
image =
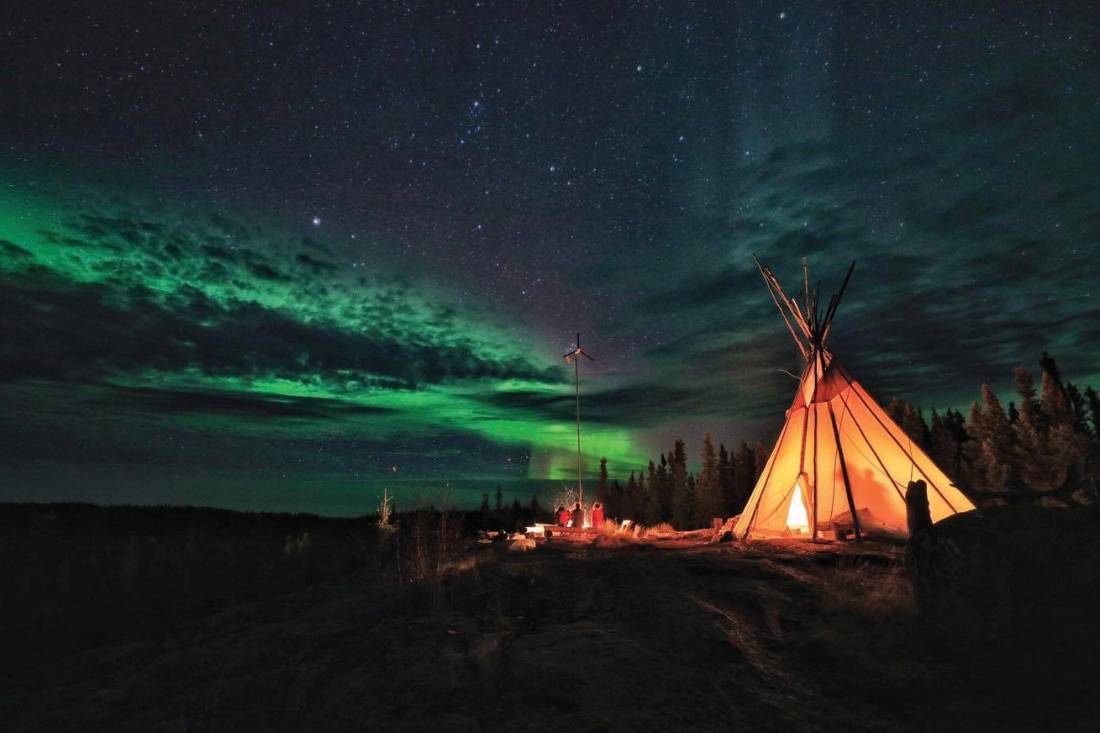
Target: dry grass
{"points": [[858, 587], [610, 528]]}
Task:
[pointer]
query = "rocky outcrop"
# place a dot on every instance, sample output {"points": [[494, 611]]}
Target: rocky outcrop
{"points": [[1004, 570]]}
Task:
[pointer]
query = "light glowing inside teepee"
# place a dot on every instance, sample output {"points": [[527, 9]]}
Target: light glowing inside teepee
{"points": [[797, 518]]}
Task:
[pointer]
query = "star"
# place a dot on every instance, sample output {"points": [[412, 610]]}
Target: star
{"points": [[316, 221]]}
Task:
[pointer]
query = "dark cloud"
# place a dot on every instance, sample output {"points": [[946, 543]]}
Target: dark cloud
{"points": [[637, 404], [312, 263], [53, 328], [236, 404], [13, 251]]}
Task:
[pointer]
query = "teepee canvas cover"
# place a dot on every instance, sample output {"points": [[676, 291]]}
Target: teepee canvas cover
{"points": [[840, 465]]}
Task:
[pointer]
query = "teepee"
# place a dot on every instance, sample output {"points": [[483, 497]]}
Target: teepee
{"points": [[841, 466]]}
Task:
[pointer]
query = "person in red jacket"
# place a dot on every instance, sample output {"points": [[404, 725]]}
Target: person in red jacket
{"points": [[578, 515], [597, 515], [563, 516]]}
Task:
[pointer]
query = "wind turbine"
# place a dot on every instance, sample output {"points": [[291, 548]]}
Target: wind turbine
{"points": [[574, 356]]}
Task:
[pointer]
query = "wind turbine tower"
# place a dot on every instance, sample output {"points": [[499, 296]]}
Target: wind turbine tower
{"points": [[574, 356]]}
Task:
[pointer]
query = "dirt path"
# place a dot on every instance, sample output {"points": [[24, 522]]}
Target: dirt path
{"points": [[699, 639]]}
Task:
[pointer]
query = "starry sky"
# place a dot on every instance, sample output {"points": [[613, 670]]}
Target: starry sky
{"points": [[268, 256]]}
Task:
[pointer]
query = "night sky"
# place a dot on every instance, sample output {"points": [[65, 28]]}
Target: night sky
{"points": [[259, 257]]}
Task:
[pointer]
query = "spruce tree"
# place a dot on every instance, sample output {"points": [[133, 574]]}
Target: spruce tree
{"points": [[602, 487], [1052, 396], [761, 460], [683, 499], [1025, 390], [954, 421], [910, 420], [1092, 398], [1077, 409], [500, 498], [685, 507], [1064, 447], [630, 500], [663, 491], [1092, 466], [1050, 367], [651, 513], [989, 452], [708, 488], [973, 464], [999, 440], [1031, 464], [725, 481], [642, 511], [616, 497], [943, 445], [744, 476]]}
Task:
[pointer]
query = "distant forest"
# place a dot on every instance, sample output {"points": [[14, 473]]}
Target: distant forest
{"points": [[1044, 446]]}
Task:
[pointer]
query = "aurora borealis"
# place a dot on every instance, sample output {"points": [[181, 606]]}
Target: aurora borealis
{"points": [[260, 258]]}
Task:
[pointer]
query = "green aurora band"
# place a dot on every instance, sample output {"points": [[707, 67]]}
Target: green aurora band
{"points": [[136, 309]]}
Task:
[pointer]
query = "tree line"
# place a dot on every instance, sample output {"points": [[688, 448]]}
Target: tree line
{"points": [[666, 491], [1044, 444]]}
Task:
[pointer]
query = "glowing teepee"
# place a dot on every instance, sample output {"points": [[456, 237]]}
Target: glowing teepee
{"points": [[841, 466]]}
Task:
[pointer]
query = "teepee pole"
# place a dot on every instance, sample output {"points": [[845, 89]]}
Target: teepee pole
{"points": [[834, 302], [881, 463], [909, 453], [764, 480], [777, 294], [844, 473], [813, 516]]}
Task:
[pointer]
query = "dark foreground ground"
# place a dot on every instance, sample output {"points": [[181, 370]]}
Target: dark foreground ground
{"points": [[605, 636]]}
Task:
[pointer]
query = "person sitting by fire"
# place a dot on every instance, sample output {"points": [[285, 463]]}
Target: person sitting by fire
{"points": [[563, 516], [578, 515], [597, 515]]}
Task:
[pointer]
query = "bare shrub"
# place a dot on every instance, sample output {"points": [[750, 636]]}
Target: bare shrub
{"points": [[385, 511], [430, 544], [295, 546]]}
